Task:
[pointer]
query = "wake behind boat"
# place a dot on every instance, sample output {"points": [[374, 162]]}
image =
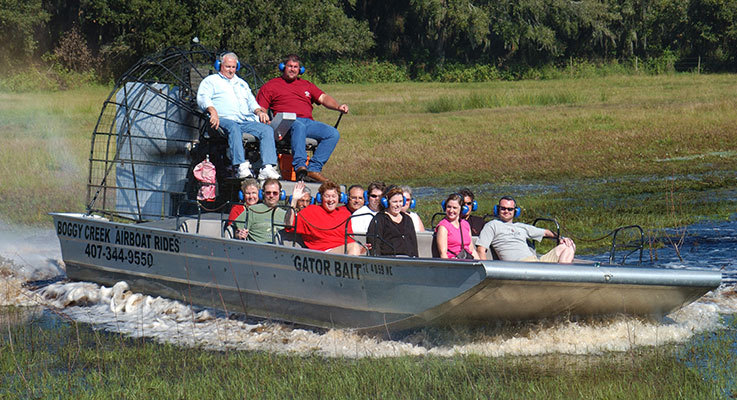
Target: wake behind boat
{"points": [[149, 137]]}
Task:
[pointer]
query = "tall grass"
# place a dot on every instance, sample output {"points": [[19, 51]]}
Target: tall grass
{"points": [[444, 135], [505, 132], [45, 147], [69, 360], [477, 100]]}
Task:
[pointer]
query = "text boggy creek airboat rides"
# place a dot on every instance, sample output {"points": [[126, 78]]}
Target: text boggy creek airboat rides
{"points": [[144, 225]]}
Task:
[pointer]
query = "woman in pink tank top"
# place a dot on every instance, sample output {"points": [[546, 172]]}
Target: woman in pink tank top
{"points": [[448, 232]]}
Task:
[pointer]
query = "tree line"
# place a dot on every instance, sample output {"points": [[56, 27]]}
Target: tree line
{"points": [[421, 35]]}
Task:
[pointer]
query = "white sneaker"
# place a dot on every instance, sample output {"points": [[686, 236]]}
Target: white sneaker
{"points": [[244, 170], [268, 171]]}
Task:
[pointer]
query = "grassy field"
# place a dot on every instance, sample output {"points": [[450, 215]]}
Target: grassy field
{"points": [[69, 360], [595, 153]]}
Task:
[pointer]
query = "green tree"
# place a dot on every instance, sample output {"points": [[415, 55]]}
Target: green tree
{"points": [[713, 29], [19, 20], [265, 31], [126, 30]]}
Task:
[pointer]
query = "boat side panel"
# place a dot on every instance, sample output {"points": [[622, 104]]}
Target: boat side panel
{"points": [[289, 283]]}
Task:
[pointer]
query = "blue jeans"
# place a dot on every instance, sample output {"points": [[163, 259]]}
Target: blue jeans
{"points": [[264, 133], [326, 136]]}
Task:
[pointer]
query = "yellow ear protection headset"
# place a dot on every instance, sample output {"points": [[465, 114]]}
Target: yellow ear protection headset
{"points": [[464, 207], [517, 210], [219, 61]]}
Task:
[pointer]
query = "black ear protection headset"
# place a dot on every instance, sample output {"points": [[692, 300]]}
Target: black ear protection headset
{"points": [[517, 210], [219, 61], [464, 207]]}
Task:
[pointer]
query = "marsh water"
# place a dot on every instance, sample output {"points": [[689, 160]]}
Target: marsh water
{"points": [[33, 255]]}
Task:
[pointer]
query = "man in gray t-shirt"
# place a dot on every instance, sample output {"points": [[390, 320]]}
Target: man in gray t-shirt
{"points": [[509, 238]]}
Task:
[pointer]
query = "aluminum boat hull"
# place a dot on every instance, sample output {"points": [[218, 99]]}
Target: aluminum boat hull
{"points": [[365, 293]]}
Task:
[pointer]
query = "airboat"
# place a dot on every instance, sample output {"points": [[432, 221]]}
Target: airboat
{"points": [[144, 225]]}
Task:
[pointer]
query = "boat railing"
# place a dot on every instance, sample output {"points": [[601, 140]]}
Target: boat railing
{"points": [[353, 235], [276, 235], [433, 224], [531, 243], [633, 245]]}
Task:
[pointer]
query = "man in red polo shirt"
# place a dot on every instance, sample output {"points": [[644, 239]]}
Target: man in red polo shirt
{"points": [[290, 93]]}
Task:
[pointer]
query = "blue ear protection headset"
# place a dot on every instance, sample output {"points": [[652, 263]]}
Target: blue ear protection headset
{"points": [[343, 198], [385, 202], [282, 195], [219, 61], [301, 68], [517, 211], [464, 208], [312, 199], [474, 206], [412, 203]]}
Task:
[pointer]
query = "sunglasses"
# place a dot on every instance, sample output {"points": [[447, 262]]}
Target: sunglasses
{"points": [[373, 196], [271, 193], [506, 208]]}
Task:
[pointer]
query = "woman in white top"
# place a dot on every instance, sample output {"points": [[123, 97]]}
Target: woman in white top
{"points": [[419, 226]]}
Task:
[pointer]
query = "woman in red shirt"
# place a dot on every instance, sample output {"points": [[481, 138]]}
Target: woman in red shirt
{"points": [[323, 226]]}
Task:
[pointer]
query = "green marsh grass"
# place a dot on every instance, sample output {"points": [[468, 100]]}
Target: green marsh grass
{"points": [[536, 130], [594, 136], [45, 148], [52, 358], [654, 150]]}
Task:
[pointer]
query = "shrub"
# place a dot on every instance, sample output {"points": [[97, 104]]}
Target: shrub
{"points": [[73, 54], [663, 64], [350, 71]]}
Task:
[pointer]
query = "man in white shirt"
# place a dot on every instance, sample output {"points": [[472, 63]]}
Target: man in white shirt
{"points": [[363, 216], [232, 106]]}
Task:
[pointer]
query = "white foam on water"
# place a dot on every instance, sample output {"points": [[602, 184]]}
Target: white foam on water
{"points": [[31, 253], [119, 310]]}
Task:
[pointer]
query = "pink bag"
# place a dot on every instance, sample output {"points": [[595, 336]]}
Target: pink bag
{"points": [[204, 172]]}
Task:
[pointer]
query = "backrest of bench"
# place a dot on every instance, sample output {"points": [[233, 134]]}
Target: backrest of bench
{"points": [[208, 227]]}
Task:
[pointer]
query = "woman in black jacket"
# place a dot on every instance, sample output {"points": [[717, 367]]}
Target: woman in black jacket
{"points": [[391, 232]]}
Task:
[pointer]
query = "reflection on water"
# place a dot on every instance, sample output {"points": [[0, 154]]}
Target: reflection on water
{"points": [[117, 309]]}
